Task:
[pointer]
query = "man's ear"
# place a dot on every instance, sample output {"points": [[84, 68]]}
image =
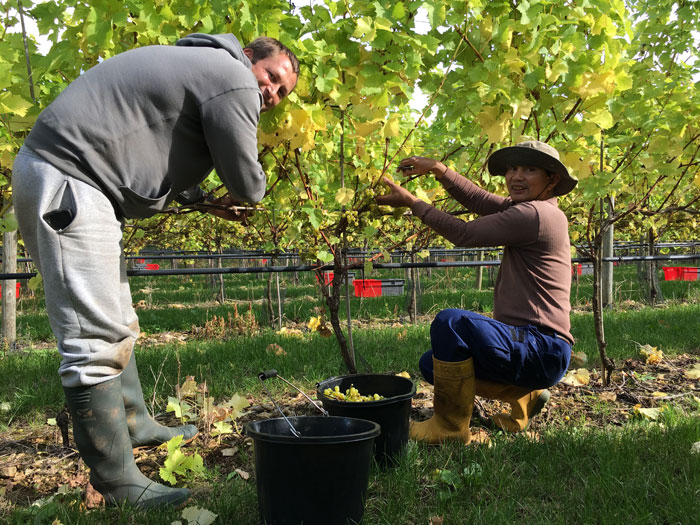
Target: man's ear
{"points": [[248, 52]]}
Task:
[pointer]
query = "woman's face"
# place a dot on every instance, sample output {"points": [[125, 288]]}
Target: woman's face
{"points": [[528, 183]]}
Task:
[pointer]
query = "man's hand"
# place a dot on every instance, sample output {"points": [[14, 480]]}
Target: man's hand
{"points": [[225, 208], [398, 197]]}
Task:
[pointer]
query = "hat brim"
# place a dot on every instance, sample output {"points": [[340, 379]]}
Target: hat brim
{"points": [[517, 156]]}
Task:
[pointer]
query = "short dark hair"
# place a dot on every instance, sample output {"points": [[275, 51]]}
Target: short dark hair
{"points": [[265, 47]]}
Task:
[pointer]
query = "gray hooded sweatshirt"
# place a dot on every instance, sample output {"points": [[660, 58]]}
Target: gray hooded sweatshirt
{"points": [[148, 125]]}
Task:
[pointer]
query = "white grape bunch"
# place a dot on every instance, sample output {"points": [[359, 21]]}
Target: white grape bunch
{"points": [[351, 394]]}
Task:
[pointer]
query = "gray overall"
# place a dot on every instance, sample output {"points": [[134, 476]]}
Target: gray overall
{"points": [[75, 239]]}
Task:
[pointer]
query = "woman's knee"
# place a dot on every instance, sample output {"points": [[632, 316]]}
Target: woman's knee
{"points": [[445, 318]]}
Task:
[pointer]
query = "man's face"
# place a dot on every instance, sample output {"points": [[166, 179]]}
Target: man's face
{"points": [[527, 183], [276, 78]]}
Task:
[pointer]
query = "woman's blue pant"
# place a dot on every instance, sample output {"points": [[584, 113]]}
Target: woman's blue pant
{"points": [[517, 355]]}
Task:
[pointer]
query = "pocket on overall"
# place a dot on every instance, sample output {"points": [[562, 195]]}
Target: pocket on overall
{"points": [[63, 209]]}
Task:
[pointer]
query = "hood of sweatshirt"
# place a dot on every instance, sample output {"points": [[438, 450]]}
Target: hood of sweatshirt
{"points": [[227, 42]]}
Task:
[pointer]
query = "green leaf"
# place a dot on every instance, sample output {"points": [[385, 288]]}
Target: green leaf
{"points": [[326, 78], [221, 427], [35, 282], [174, 444], [324, 255], [8, 223], [167, 475], [399, 11], [315, 216], [174, 406], [370, 231]]}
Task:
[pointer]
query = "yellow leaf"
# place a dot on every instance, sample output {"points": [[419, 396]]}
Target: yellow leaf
{"points": [[365, 128], [486, 27], [494, 122], [189, 387], [647, 413], [299, 117], [199, 516], [391, 128], [237, 403], [314, 323], [243, 474], [593, 84], [10, 103], [523, 109], [404, 374], [650, 354], [608, 396], [580, 165], [602, 117], [578, 377], [290, 332], [693, 372], [274, 348], [557, 69], [513, 61], [604, 23], [422, 195], [319, 118], [344, 196]]}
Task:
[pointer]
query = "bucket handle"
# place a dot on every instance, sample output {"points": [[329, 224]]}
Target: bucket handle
{"points": [[268, 374]]}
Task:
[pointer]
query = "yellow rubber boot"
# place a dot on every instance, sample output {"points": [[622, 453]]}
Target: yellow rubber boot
{"points": [[453, 403], [524, 402]]}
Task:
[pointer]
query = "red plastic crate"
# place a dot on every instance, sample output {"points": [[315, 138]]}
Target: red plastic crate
{"points": [[680, 273], [152, 266], [327, 278], [17, 286], [689, 274], [367, 287]]}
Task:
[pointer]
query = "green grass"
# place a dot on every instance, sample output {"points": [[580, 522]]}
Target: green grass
{"points": [[232, 365], [640, 472]]}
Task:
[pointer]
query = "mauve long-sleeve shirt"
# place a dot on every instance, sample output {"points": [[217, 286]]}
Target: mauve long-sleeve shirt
{"points": [[534, 280]]}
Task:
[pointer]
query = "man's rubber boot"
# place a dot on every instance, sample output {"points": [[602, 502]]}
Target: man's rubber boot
{"points": [[143, 429], [102, 438], [453, 403], [524, 402]]}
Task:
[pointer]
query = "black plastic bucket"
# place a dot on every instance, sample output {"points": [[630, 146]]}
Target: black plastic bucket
{"points": [[391, 413], [318, 478]]}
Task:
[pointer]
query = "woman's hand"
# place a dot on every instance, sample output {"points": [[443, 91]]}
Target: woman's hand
{"points": [[421, 165], [398, 197]]}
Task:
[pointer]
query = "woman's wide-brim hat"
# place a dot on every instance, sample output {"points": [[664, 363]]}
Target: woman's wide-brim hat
{"points": [[533, 153]]}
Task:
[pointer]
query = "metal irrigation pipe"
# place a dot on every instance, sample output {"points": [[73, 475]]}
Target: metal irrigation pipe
{"points": [[379, 266]]}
